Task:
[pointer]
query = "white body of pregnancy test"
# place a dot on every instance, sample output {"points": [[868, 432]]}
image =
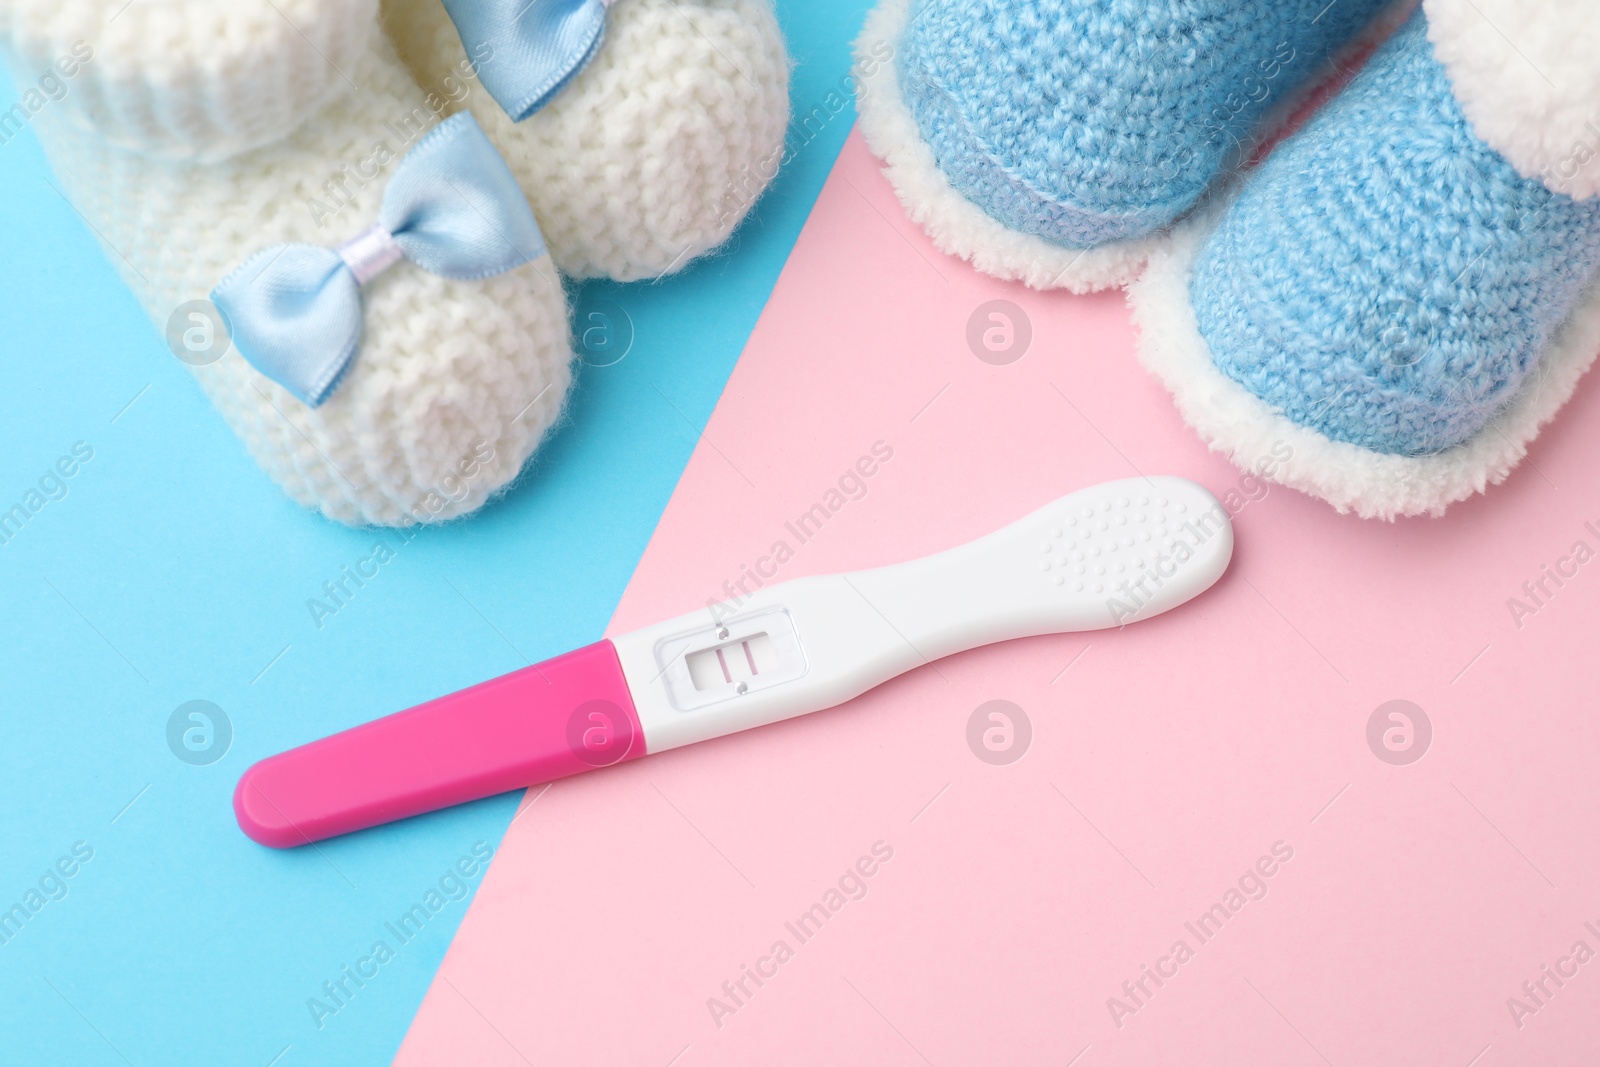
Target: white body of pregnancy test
{"points": [[1101, 557]]}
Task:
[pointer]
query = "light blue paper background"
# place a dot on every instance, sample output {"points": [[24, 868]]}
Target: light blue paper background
{"points": [[173, 570]]}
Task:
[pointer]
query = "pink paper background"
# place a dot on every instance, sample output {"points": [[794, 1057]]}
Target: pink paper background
{"points": [[1165, 760]]}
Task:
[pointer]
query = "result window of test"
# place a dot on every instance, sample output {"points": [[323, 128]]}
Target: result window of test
{"points": [[735, 661]]}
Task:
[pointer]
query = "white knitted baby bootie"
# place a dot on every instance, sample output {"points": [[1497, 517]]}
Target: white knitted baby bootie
{"points": [[651, 153], [400, 377]]}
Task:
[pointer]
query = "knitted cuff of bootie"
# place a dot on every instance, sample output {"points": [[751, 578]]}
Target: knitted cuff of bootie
{"points": [[189, 81], [654, 151], [1054, 143], [1388, 310]]}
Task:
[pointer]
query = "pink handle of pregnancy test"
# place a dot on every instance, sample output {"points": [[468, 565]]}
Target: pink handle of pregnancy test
{"points": [[569, 714]]}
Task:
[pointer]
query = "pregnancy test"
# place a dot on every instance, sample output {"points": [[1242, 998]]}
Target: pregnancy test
{"points": [[1098, 558]]}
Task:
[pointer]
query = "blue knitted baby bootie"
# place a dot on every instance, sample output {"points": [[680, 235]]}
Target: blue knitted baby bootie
{"points": [[1086, 122], [1387, 279]]}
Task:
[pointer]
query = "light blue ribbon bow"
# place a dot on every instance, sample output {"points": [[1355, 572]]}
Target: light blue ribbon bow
{"points": [[529, 49], [452, 208]]}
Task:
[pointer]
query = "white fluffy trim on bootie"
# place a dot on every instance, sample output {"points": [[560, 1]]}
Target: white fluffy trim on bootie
{"points": [[1527, 76]]}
